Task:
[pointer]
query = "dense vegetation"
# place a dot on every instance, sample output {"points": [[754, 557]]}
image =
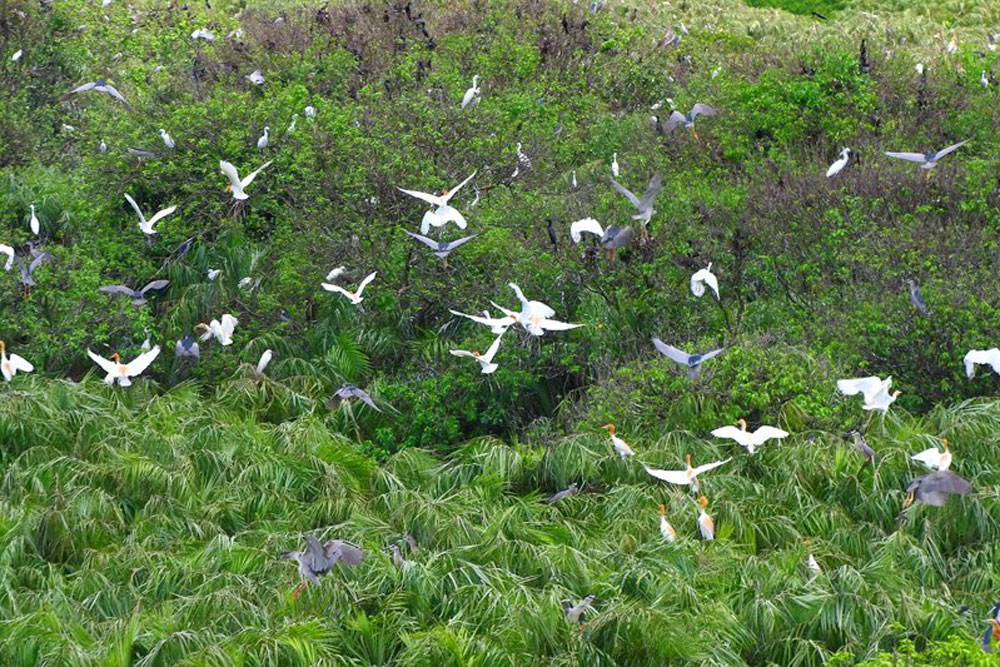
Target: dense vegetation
{"points": [[141, 526]]}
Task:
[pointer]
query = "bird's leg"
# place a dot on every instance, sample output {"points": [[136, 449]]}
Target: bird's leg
{"points": [[444, 261], [298, 591], [695, 133]]}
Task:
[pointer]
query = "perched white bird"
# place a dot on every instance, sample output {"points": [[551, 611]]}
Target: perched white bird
{"points": [[291, 126], [688, 477], [444, 212], [262, 141], [214, 273], [310, 112], [522, 158], [666, 530], [574, 179], [535, 315], [934, 458], [874, 390], [121, 373], [222, 331], [972, 357], [497, 326], [614, 166], [203, 33], [146, 226], [245, 282], [17, 55], [33, 223], [839, 165], [10, 365], [620, 446], [9, 251], [103, 147], [335, 273], [485, 360], [168, 141], [471, 96], [920, 69], [705, 523], [355, 297], [236, 186], [256, 78], [813, 566], [704, 277], [265, 359], [749, 440], [983, 81]]}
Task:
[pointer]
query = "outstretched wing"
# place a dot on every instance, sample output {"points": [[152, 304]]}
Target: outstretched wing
{"points": [[228, 324], [556, 325], [669, 476], [229, 170], [911, 157], [106, 364], [768, 432], [20, 363], [709, 466], [140, 363], [708, 355], [461, 353], [451, 193], [457, 242], [249, 179], [973, 357], [732, 433], [370, 277], [154, 285], [625, 191], [589, 225], [867, 386], [671, 351], [675, 119], [944, 151], [120, 289], [363, 395], [430, 199], [430, 243], [160, 215], [655, 184], [702, 110], [138, 211], [492, 351]]}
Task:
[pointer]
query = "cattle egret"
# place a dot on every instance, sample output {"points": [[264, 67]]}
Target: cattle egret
{"points": [[747, 439], [485, 360], [677, 118], [874, 390], [570, 490], [318, 559], [121, 373], [704, 277], [33, 223], [535, 315], [168, 141], [692, 361], [237, 186], [222, 331], [575, 611], [933, 458], [443, 212], [705, 523], [615, 170], [354, 297], [934, 488], [838, 166], [471, 96], [138, 296], [688, 476], [620, 446], [11, 365], [146, 226], [262, 141], [666, 530], [973, 357]]}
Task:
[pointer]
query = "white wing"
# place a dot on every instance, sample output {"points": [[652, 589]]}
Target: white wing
{"points": [[20, 364], [138, 211], [973, 357], [7, 250], [588, 225], [106, 364], [370, 277], [700, 279], [709, 466], [430, 199], [446, 214], [733, 433], [670, 476], [488, 321], [140, 363], [249, 179], [556, 325], [228, 325], [929, 457], [912, 157], [454, 190], [265, 359], [229, 170], [765, 433], [160, 215], [461, 353], [492, 351], [336, 273], [868, 386], [337, 288]]}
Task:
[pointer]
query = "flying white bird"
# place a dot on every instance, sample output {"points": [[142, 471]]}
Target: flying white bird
{"points": [[146, 226], [934, 458], [355, 297], [262, 141], [588, 225], [497, 326], [121, 373], [535, 315], [485, 360], [874, 390], [615, 170], [838, 166], [666, 530], [972, 357], [223, 331], [17, 55], [688, 477], [749, 440], [33, 223], [10, 365], [444, 212], [168, 141], [620, 446], [265, 359], [704, 277], [471, 96], [236, 185], [9, 251], [926, 160]]}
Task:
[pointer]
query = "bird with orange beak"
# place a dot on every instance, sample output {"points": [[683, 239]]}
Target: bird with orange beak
{"points": [[705, 523], [10, 365], [666, 530], [121, 373], [687, 477], [621, 447]]}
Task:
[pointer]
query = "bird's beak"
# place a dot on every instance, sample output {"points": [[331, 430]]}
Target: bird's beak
{"points": [[943, 441], [608, 426], [909, 500], [742, 423], [688, 458]]}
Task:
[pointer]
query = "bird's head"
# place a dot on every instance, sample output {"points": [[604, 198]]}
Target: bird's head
{"points": [[663, 509], [703, 501], [896, 394], [610, 428], [688, 459], [476, 354], [742, 423], [117, 358], [201, 326], [945, 443], [3, 347], [808, 543]]}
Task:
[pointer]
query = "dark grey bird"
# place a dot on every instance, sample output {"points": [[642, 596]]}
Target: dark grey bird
{"points": [[575, 611], [570, 490], [916, 297], [862, 446], [657, 124], [349, 391], [677, 118], [927, 160], [670, 38], [644, 206], [318, 559], [285, 316], [187, 348], [692, 361], [397, 557], [138, 296], [411, 542], [27, 269], [141, 153], [552, 234], [934, 488], [616, 237], [103, 86], [441, 248], [184, 247]]}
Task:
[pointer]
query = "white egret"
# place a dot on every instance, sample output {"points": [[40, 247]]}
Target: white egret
{"points": [[934, 458], [747, 439], [11, 365], [265, 359], [310, 112], [335, 273], [121, 373], [620, 446], [485, 360], [704, 277], [237, 186], [168, 141], [666, 530], [615, 169], [263, 140], [875, 391], [214, 273], [222, 331], [535, 315], [33, 222], [471, 96], [9, 251], [256, 78], [705, 523], [588, 225], [688, 476], [245, 282], [355, 297], [838, 166], [973, 357], [103, 147], [811, 563], [146, 226], [574, 180], [203, 33], [444, 212], [983, 81], [17, 55], [497, 325], [920, 69]]}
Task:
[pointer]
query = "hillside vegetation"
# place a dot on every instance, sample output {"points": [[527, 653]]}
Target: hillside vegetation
{"points": [[142, 525]]}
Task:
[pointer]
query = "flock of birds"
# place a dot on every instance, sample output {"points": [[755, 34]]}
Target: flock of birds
{"points": [[534, 317]]}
